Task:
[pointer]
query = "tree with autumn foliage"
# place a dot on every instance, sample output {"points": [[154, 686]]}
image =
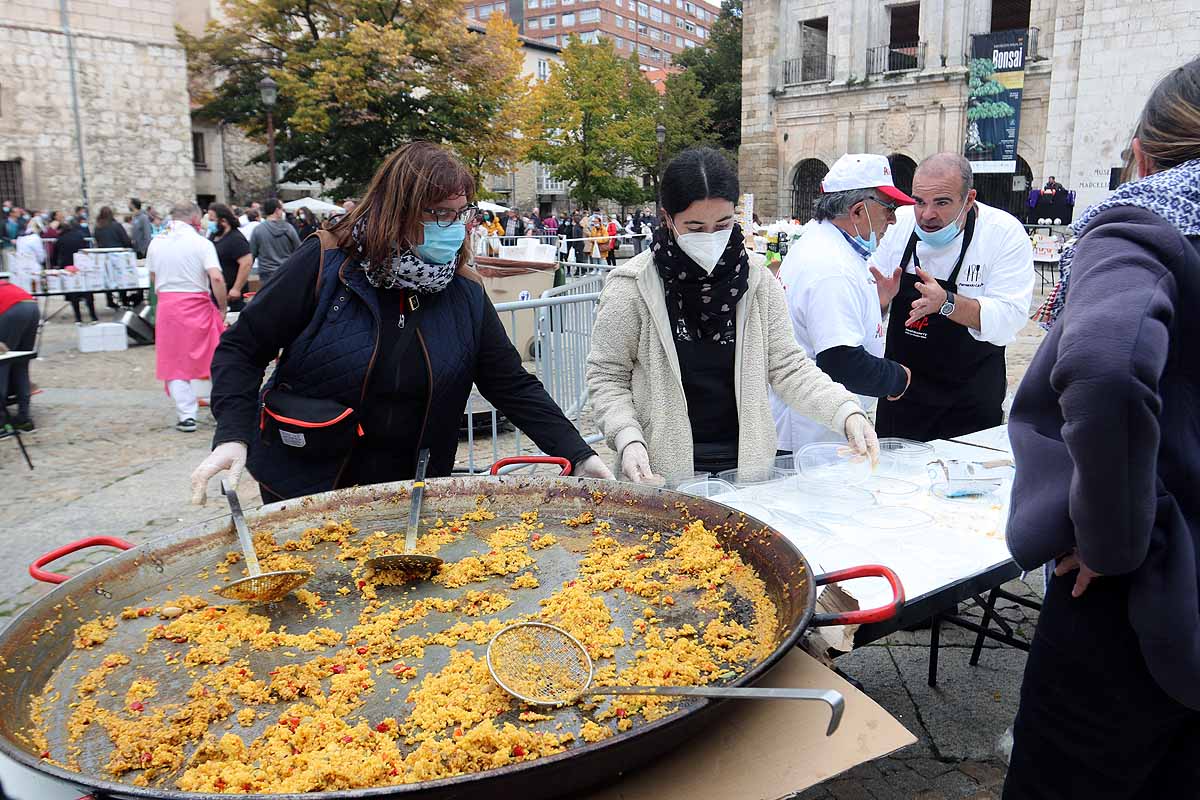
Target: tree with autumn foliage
{"points": [[718, 66], [596, 116], [358, 78]]}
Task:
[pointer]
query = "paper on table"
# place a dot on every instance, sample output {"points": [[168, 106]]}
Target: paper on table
{"points": [[963, 538]]}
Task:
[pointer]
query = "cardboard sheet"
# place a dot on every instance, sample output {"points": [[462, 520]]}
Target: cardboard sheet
{"points": [[769, 749]]}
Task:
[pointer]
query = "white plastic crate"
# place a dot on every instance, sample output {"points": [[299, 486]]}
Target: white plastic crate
{"points": [[102, 337]]}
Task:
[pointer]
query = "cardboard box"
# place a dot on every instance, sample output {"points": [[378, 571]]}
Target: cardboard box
{"points": [[102, 337], [513, 281], [769, 749]]}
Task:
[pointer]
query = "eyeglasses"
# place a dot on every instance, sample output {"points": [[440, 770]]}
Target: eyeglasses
{"points": [[889, 207], [445, 217]]}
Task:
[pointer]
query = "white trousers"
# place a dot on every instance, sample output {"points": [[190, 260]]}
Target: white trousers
{"points": [[184, 396]]}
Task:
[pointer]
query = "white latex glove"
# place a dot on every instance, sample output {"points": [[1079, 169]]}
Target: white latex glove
{"points": [[860, 435], [230, 456], [593, 467], [635, 464]]}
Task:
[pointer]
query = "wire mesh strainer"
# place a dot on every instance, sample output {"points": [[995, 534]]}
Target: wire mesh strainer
{"points": [[409, 561], [544, 665], [258, 586]]}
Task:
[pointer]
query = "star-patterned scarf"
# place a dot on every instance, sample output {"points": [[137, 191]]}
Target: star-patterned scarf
{"points": [[1173, 194], [702, 306], [405, 270]]}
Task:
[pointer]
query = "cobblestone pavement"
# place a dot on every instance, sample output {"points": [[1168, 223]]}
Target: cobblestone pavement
{"points": [[108, 461]]}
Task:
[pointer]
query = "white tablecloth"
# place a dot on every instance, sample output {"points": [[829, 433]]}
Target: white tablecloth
{"points": [[951, 540]]}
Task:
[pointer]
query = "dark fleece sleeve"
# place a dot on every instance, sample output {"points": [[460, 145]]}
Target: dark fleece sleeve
{"points": [[1111, 357], [861, 372]]}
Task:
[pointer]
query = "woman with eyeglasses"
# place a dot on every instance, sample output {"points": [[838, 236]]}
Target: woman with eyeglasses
{"points": [[690, 335], [380, 328]]}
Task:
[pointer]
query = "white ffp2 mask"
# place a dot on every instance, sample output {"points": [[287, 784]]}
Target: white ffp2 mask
{"points": [[703, 248]]}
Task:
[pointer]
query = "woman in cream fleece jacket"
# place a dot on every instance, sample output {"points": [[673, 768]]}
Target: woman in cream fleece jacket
{"points": [[689, 336]]}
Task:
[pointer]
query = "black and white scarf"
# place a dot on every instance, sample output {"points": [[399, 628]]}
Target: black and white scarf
{"points": [[702, 306], [1173, 194], [405, 270]]}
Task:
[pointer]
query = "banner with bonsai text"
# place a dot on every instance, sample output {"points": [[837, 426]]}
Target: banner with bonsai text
{"points": [[995, 80]]}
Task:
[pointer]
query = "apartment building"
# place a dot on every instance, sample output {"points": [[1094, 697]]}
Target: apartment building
{"points": [[654, 29]]}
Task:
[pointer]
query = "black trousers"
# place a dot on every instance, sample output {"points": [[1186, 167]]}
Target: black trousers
{"points": [[1092, 722], [18, 330], [76, 297]]}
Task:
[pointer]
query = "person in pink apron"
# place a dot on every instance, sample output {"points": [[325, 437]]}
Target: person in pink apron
{"points": [[188, 323]]}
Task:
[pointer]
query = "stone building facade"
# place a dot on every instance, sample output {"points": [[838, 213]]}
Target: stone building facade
{"points": [[826, 77], [132, 90], [223, 157]]}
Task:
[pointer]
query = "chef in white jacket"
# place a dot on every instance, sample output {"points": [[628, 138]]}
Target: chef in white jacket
{"points": [[831, 296]]}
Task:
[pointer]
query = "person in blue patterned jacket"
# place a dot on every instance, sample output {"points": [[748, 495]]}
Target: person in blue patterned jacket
{"points": [[381, 328]]}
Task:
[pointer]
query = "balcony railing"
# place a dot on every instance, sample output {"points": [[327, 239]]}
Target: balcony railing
{"points": [[806, 69], [1031, 45], [551, 186], [896, 57], [547, 184]]}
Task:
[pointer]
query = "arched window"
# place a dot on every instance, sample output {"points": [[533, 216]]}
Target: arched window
{"points": [[806, 185], [903, 168], [1000, 190]]}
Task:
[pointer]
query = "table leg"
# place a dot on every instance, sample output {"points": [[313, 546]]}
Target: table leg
{"points": [[21, 444], [935, 636], [988, 610]]}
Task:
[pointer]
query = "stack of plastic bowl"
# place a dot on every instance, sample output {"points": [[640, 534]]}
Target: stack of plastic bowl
{"points": [[905, 459], [832, 463], [704, 486]]}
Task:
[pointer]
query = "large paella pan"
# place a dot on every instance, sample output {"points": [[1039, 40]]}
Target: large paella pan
{"points": [[135, 680]]}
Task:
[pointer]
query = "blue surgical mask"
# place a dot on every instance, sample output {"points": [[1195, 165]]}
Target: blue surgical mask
{"points": [[441, 244], [943, 237], [867, 244]]}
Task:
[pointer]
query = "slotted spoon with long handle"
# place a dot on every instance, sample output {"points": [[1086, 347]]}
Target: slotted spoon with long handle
{"points": [[544, 665], [410, 561], [258, 586]]}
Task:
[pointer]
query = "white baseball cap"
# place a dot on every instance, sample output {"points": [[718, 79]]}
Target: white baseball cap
{"points": [[864, 171]]}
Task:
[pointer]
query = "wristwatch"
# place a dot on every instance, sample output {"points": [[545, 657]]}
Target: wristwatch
{"points": [[948, 306]]}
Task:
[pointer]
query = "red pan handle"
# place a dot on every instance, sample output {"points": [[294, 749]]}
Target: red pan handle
{"points": [[866, 615], [563, 463], [46, 576]]}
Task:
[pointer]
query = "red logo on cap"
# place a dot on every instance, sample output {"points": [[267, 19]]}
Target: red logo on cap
{"points": [[887, 171]]}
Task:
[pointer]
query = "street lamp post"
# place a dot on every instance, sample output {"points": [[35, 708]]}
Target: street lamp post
{"points": [[660, 135], [269, 90]]}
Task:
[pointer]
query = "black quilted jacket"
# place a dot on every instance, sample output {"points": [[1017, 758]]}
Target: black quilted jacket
{"points": [[333, 341]]}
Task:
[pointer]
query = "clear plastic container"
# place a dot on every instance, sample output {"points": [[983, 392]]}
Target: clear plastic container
{"points": [[887, 486], [707, 487], [786, 464], [832, 463], [905, 458], [756, 477], [818, 501], [678, 481], [890, 518]]}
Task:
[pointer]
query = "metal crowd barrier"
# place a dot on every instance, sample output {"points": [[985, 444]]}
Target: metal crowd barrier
{"points": [[562, 318]]}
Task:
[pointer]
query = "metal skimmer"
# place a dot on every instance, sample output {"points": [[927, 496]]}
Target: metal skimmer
{"points": [[544, 665], [258, 586], [408, 561]]}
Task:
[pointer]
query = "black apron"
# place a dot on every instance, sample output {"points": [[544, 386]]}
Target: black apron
{"points": [[958, 382]]}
